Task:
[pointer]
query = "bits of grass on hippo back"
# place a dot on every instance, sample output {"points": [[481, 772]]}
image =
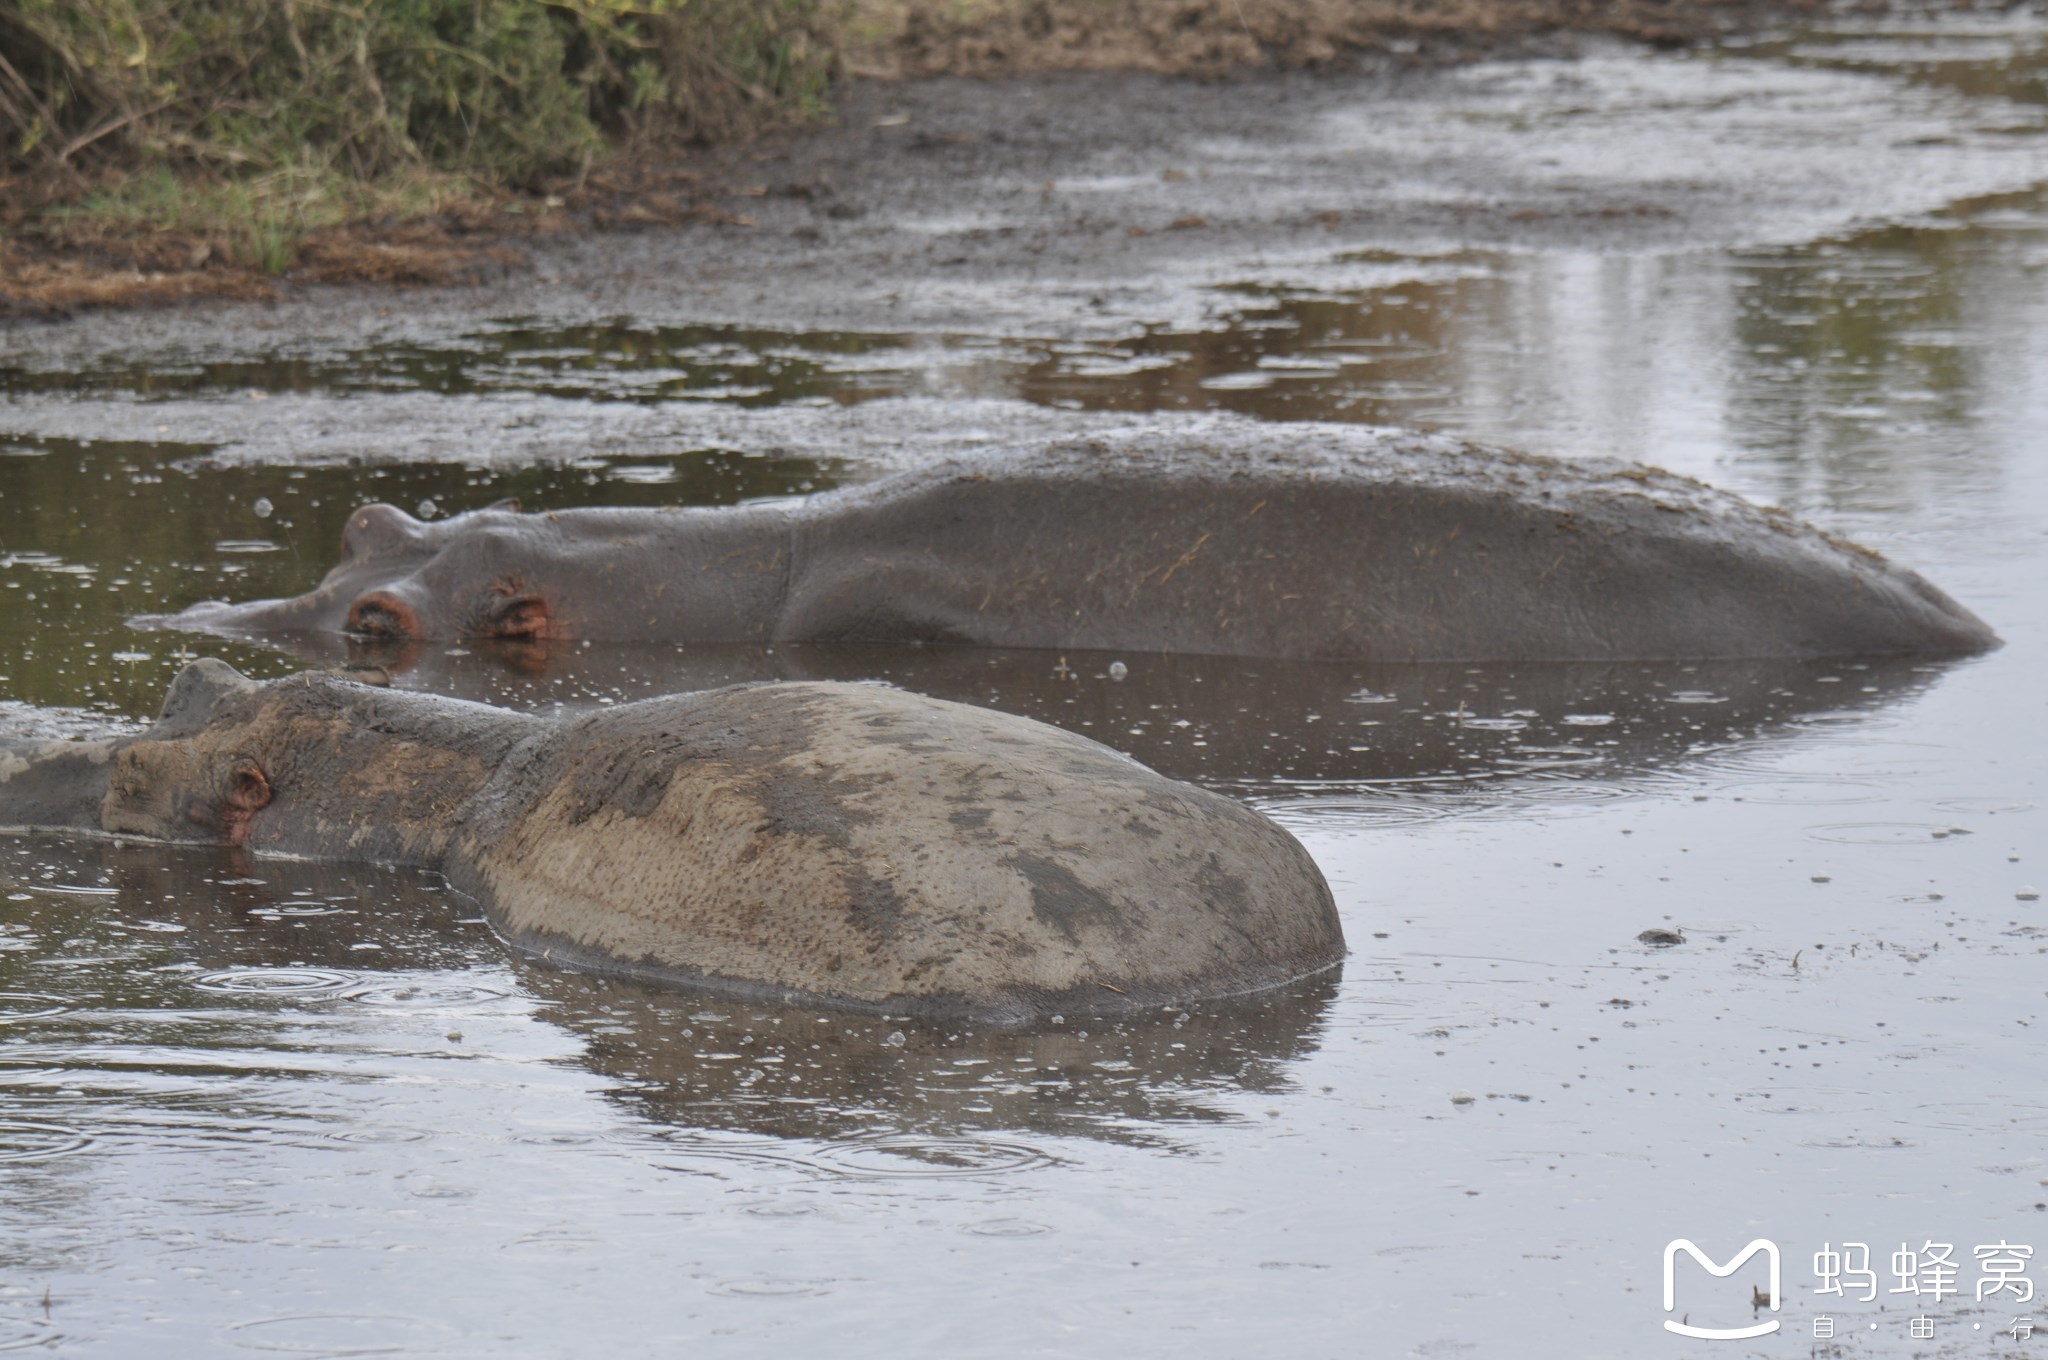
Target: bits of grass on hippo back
{"points": [[1658, 937]]}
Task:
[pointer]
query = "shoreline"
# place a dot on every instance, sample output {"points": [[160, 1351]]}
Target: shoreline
{"points": [[52, 268]]}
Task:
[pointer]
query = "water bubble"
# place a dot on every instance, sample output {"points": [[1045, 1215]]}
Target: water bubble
{"points": [[1118, 670], [2028, 894], [262, 508], [427, 509], [895, 1039]]}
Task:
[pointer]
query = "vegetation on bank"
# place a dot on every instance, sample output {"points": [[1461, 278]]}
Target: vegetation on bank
{"points": [[232, 138], [277, 116]]}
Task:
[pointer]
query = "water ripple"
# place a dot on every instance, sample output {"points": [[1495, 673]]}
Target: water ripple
{"points": [[437, 994], [18, 1334], [31, 1140], [16, 1007], [910, 1157], [1877, 833], [337, 1334], [292, 982]]}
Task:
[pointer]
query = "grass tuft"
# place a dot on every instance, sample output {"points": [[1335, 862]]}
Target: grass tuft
{"points": [[254, 121]]}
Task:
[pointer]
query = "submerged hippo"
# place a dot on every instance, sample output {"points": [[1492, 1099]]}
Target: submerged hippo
{"points": [[1305, 541], [846, 844]]}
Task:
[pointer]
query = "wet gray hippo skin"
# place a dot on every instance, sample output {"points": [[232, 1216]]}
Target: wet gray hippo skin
{"points": [[1307, 541], [845, 844]]}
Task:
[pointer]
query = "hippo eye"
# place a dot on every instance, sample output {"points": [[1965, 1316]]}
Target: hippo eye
{"points": [[381, 615], [518, 616]]}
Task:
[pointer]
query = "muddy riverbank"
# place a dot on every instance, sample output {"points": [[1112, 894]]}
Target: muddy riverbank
{"points": [[55, 259]]}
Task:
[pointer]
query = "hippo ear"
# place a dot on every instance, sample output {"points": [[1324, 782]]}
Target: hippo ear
{"points": [[378, 528], [510, 503], [190, 700]]}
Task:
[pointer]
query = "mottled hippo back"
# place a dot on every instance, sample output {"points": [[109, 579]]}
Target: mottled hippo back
{"points": [[867, 847]]}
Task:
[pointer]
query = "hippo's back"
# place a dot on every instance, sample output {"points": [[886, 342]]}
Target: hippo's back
{"points": [[863, 846], [1321, 541]]}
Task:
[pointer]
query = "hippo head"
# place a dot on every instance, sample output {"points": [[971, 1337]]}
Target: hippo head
{"points": [[400, 579], [320, 764], [202, 772]]}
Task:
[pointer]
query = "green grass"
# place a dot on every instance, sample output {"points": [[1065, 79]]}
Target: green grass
{"points": [[258, 120], [257, 221]]}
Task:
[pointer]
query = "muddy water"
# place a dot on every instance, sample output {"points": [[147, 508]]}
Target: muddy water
{"points": [[273, 1108]]}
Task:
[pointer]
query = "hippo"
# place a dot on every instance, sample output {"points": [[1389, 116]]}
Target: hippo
{"points": [[823, 843], [1310, 542]]}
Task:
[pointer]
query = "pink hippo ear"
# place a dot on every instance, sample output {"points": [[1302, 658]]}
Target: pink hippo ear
{"points": [[377, 529], [248, 787]]}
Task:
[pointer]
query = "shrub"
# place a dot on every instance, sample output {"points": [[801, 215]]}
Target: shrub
{"points": [[506, 90]]}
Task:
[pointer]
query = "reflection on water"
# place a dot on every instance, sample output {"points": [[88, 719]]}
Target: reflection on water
{"points": [[184, 976], [1427, 737], [888, 1098]]}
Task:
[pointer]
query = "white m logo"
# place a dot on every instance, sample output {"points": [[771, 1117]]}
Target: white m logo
{"points": [[1671, 1250]]}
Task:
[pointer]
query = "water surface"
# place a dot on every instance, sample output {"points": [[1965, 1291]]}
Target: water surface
{"points": [[264, 1107]]}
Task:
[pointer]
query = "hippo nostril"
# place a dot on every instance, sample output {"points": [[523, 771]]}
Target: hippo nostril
{"points": [[382, 616], [520, 616]]}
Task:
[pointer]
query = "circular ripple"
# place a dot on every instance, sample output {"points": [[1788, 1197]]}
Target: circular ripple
{"points": [[1985, 805], [378, 1136], [1006, 1227], [1803, 793], [1876, 833], [277, 981], [911, 1158], [1351, 812], [332, 1334], [18, 1334], [16, 1007], [771, 1287], [424, 996], [1527, 758], [29, 1140]]}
